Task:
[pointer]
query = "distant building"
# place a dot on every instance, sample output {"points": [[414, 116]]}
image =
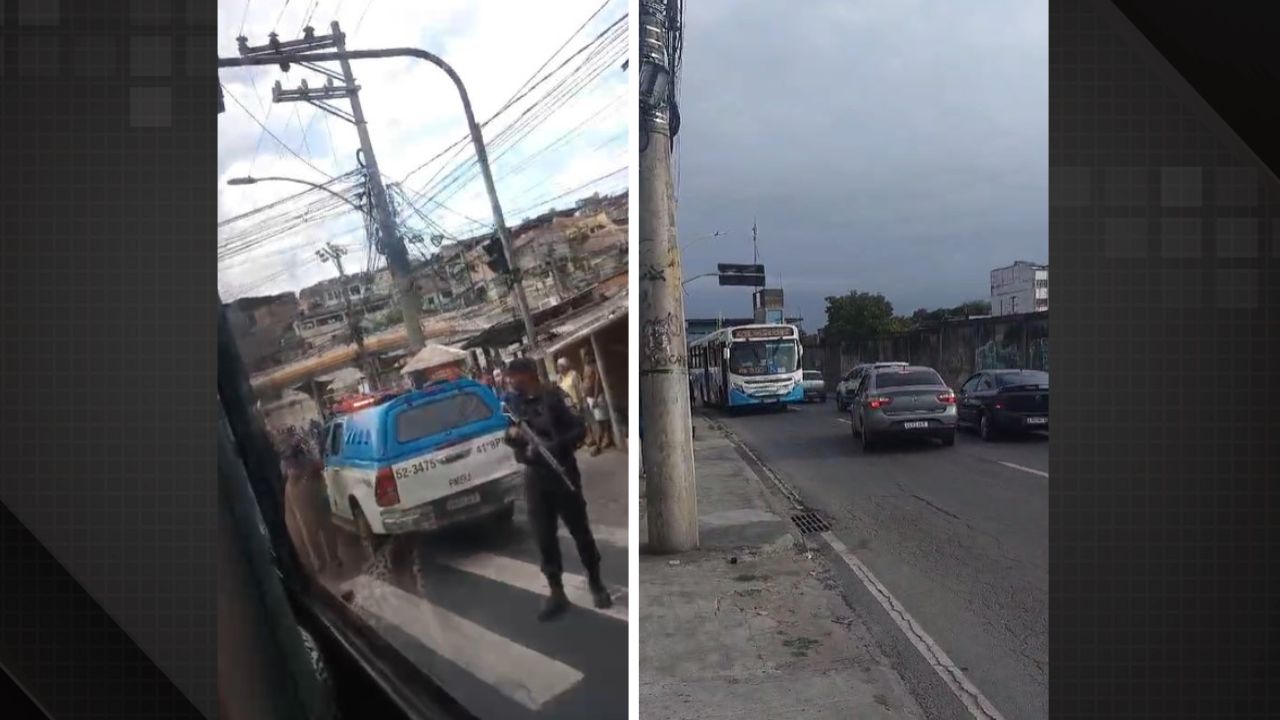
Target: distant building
{"points": [[1020, 288], [323, 313], [263, 328]]}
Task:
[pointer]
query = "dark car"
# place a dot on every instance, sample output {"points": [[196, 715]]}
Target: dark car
{"points": [[1005, 401]]}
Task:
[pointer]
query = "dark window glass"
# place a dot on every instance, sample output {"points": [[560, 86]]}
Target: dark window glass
{"points": [[1026, 377], [763, 357], [812, 375], [892, 379], [335, 440], [446, 413]]}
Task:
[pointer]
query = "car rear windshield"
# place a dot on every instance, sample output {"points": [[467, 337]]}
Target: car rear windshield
{"points": [[893, 378], [811, 375], [438, 416], [1026, 377]]}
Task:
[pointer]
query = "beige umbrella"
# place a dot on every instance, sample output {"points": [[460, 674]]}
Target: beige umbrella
{"points": [[433, 356]]}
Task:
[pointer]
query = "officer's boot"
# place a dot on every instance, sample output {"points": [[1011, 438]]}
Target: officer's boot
{"points": [[556, 603], [599, 593]]}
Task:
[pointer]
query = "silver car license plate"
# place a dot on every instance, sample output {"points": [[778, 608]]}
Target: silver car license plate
{"points": [[462, 501], [917, 425]]}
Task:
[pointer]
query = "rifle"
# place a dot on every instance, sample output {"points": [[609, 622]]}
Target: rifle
{"points": [[532, 438]]}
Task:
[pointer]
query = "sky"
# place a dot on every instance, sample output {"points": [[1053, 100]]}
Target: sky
{"points": [[413, 112], [891, 146]]}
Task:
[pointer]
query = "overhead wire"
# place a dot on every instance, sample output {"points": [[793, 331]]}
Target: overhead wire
{"points": [[568, 87], [272, 135], [523, 91]]}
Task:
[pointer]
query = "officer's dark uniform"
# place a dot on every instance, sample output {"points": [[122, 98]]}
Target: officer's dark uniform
{"points": [[547, 496]]}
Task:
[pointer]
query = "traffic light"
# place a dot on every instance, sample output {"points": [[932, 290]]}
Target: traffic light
{"points": [[495, 257]]}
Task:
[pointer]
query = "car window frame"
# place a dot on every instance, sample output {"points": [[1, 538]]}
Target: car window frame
{"points": [[335, 437]]}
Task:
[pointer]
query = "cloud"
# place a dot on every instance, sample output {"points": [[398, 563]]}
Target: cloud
{"points": [[891, 146], [413, 112]]}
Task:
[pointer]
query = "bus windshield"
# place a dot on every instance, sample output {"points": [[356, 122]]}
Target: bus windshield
{"points": [[762, 357]]}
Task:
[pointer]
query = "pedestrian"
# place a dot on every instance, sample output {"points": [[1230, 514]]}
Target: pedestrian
{"points": [[597, 408], [570, 383], [550, 497], [306, 502]]}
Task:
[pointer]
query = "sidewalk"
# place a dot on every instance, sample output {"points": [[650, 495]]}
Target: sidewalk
{"points": [[751, 626], [604, 482]]}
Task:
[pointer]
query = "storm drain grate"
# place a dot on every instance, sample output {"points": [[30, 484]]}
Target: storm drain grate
{"points": [[810, 523]]}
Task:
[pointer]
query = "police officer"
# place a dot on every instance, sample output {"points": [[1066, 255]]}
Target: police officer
{"points": [[550, 497]]}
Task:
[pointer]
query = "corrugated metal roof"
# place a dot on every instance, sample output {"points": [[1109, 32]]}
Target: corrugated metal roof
{"points": [[580, 325]]}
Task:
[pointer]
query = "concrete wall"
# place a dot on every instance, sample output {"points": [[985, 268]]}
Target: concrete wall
{"points": [[956, 349]]}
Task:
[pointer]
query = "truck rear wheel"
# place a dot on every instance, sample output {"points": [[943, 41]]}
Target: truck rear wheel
{"points": [[370, 541]]}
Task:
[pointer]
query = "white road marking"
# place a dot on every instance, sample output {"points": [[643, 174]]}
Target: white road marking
{"points": [[528, 576], [617, 537], [525, 676], [965, 691], [1033, 471], [846, 421]]}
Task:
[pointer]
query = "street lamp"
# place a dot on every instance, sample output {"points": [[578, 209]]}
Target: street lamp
{"points": [[249, 180]]}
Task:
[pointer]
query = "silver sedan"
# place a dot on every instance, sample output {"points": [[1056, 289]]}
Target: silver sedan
{"points": [[908, 401]]}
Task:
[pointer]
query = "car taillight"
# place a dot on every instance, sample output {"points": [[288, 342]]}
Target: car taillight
{"points": [[385, 491], [999, 406], [877, 403], [948, 398]]}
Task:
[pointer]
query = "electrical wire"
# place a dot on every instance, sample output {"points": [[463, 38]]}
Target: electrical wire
{"points": [[244, 18], [281, 143], [533, 116], [521, 92]]}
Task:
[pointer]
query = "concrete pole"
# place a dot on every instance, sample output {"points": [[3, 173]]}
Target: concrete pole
{"points": [[667, 450], [392, 245]]}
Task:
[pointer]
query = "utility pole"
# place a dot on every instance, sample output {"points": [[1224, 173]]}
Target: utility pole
{"points": [[391, 242], [671, 486], [755, 249], [333, 253]]}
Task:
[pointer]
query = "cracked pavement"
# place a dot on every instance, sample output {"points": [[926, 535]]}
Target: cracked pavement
{"points": [[958, 538]]}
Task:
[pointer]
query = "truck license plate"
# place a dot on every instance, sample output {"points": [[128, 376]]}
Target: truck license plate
{"points": [[462, 501], [919, 424]]}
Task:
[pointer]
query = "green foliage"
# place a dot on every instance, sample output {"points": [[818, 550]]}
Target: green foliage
{"points": [[924, 316], [859, 316]]}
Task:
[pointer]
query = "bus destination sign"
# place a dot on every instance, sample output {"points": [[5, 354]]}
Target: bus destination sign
{"points": [[763, 333]]}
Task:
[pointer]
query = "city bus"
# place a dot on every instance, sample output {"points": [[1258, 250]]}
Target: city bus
{"points": [[749, 365]]}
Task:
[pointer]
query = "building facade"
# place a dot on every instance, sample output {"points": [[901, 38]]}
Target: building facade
{"points": [[1020, 288], [263, 329]]}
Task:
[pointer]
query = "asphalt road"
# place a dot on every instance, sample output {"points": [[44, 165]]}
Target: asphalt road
{"points": [[959, 535], [462, 605]]}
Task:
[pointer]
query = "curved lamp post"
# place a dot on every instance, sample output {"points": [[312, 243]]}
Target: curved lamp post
{"points": [[249, 180]]}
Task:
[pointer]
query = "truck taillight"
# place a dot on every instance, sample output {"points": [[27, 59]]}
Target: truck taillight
{"points": [[877, 403], [385, 490]]}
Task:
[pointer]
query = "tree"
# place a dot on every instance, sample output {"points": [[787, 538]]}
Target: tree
{"points": [[860, 316]]}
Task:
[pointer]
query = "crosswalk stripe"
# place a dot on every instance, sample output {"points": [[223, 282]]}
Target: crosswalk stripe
{"points": [[525, 676], [528, 576], [617, 537]]}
